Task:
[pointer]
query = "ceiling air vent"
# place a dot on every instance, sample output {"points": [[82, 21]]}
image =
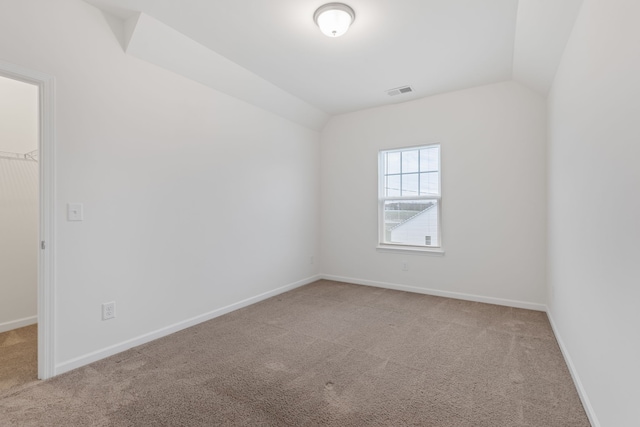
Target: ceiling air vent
{"points": [[399, 90]]}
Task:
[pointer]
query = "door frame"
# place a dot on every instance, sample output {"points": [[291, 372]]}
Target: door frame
{"points": [[46, 212]]}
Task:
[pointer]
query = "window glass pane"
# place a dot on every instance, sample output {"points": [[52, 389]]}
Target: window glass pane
{"points": [[392, 162], [434, 159], [392, 186], [410, 174], [429, 159], [410, 161], [429, 183], [411, 222], [423, 160], [410, 184]]}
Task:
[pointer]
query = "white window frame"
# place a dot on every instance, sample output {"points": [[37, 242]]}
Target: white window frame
{"points": [[384, 246]]}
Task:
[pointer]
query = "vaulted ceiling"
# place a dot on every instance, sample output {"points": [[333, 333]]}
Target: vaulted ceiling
{"points": [[275, 51]]}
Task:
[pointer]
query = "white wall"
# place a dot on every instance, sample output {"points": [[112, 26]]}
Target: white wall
{"points": [[18, 116], [193, 200], [18, 242], [493, 193], [594, 210], [18, 204]]}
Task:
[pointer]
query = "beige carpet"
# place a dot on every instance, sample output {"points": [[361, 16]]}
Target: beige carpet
{"points": [[324, 354], [18, 357]]}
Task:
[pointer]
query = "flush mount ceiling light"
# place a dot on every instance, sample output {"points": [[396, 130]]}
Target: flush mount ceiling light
{"points": [[334, 19]]}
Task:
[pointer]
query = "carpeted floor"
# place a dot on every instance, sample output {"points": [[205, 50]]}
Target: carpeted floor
{"points": [[324, 354], [18, 357]]}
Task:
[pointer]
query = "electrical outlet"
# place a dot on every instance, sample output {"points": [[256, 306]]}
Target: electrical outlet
{"points": [[405, 266], [108, 310]]}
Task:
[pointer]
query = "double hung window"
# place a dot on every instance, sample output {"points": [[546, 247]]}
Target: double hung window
{"points": [[409, 197]]}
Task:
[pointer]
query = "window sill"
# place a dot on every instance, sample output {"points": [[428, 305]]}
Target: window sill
{"points": [[410, 249]]}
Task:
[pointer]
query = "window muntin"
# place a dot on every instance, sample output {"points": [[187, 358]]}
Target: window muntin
{"points": [[409, 197]]}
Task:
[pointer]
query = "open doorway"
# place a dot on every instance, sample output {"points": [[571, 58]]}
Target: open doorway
{"points": [[26, 221], [19, 212]]}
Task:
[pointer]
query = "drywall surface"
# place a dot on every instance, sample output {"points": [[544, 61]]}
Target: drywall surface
{"points": [[493, 144], [162, 45], [193, 200], [594, 210], [18, 242], [18, 116], [18, 204]]}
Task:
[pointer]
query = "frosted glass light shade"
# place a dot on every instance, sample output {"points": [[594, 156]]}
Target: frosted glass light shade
{"points": [[334, 19]]}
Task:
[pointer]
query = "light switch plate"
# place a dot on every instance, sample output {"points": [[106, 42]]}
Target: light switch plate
{"points": [[74, 212]]}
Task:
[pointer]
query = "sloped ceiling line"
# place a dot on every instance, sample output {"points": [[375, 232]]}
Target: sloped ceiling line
{"points": [[273, 56], [542, 31], [156, 42]]}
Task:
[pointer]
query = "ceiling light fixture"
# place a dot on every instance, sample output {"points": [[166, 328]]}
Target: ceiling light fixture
{"points": [[334, 19]]}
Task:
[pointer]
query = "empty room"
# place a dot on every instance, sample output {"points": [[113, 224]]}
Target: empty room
{"points": [[297, 212]]}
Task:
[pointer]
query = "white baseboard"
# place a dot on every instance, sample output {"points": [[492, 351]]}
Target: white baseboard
{"points": [[499, 301], [114, 349], [586, 403], [435, 292], [142, 339], [19, 323]]}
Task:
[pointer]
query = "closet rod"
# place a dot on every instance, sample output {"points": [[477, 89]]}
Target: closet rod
{"points": [[31, 155]]}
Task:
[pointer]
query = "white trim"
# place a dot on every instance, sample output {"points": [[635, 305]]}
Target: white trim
{"points": [[19, 323], [162, 332], [426, 250], [382, 198], [584, 398], [46, 276], [436, 292]]}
